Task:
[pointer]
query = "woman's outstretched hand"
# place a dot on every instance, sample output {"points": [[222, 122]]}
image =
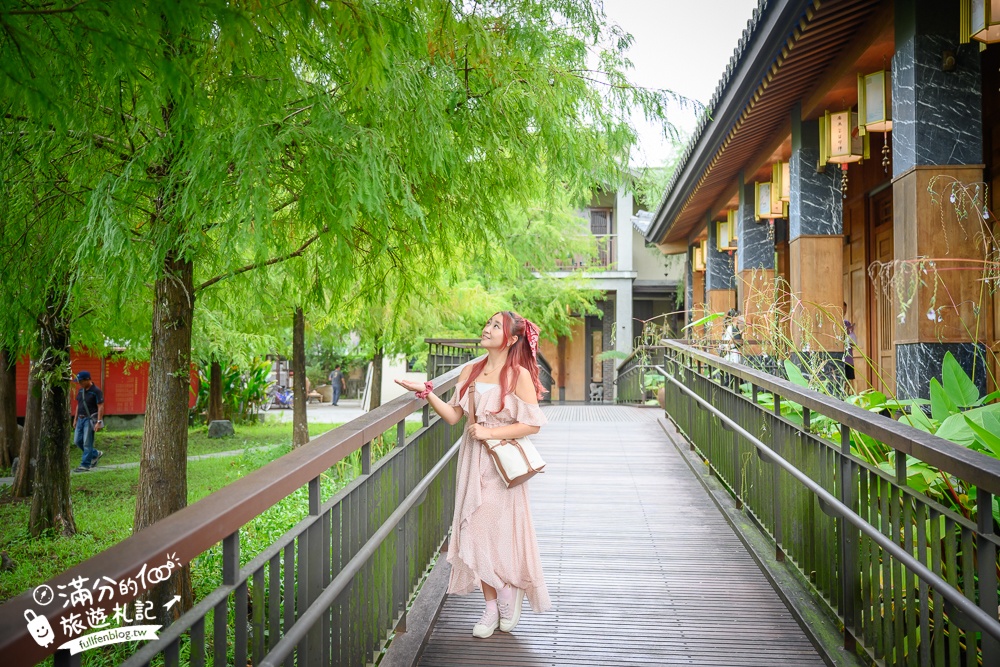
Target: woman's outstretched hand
{"points": [[410, 385]]}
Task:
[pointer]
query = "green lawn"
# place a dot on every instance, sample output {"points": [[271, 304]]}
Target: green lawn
{"points": [[104, 503]]}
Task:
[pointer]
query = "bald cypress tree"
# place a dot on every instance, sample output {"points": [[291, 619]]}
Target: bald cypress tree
{"points": [[225, 139]]}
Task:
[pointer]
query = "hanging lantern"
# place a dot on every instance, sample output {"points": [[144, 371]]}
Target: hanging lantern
{"points": [[875, 102], [698, 260], [781, 173], [984, 20], [725, 233], [767, 201], [840, 140]]}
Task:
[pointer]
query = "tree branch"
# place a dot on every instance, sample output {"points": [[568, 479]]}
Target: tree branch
{"points": [[259, 265], [39, 12]]}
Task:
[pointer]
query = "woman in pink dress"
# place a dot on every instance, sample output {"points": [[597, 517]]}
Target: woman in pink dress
{"points": [[493, 545]]}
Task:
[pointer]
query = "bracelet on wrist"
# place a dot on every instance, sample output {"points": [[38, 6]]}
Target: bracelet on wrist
{"points": [[426, 391]]}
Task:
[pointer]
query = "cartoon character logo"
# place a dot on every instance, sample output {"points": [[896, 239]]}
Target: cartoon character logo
{"points": [[39, 628]]}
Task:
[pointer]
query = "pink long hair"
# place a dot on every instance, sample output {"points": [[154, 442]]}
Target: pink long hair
{"points": [[522, 354]]}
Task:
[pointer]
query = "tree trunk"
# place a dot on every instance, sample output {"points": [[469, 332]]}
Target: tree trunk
{"points": [[376, 393], [300, 425], [8, 407], [51, 506], [24, 480], [215, 392], [163, 467]]}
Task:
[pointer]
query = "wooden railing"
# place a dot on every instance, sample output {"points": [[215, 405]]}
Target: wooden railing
{"points": [[911, 581], [326, 593]]}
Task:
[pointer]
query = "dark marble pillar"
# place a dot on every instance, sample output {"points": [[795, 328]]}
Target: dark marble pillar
{"points": [[917, 363], [816, 206], [756, 240], [720, 267], [720, 280], [755, 277], [936, 115], [815, 248], [937, 133]]}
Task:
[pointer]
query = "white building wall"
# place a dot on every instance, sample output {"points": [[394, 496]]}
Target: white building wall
{"points": [[624, 229]]}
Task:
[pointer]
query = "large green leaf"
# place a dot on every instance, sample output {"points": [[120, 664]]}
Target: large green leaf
{"points": [[987, 434], [795, 375], [917, 419], [942, 405], [989, 397], [956, 428], [705, 320], [959, 386]]}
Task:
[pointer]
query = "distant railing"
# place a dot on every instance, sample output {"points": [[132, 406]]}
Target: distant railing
{"points": [[636, 378], [446, 354], [326, 593], [603, 257], [912, 581]]}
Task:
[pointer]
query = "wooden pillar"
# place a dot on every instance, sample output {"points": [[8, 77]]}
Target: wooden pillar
{"points": [[755, 273], [940, 295], [815, 245], [720, 279]]}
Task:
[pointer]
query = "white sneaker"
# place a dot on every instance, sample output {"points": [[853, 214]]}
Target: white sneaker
{"points": [[510, 612], [488, 622]]}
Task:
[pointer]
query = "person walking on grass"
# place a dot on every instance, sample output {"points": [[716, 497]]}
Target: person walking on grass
{"points": [[89, 419], [493, 545]]}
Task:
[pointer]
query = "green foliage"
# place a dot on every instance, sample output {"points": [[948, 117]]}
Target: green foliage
{"points": [[104, 502], [975, 427], [244, 390], [957, 383]]}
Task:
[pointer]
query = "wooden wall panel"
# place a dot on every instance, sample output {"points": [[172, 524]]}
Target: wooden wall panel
{"points": [[758, 294], [930, 226], [817, 297], [699, 303]]}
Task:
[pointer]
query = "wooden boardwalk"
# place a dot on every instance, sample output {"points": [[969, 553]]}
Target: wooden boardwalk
{"points": [[642, 567]]}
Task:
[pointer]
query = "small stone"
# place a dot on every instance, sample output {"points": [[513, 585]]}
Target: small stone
{"points": [[220, 428]]}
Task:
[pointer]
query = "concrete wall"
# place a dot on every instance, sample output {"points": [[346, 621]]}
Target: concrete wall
{"points": [[393, 368]]}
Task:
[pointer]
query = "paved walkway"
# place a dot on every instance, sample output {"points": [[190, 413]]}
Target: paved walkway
{"points": [[641, 565]]}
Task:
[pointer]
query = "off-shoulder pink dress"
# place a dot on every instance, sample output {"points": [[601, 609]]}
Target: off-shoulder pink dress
{"points": [[492, 536]]}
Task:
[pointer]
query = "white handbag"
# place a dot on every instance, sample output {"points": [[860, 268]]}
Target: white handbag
{"points": [[516, 460]]}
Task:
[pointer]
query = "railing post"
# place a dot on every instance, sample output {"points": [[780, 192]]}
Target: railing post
{"points": [[366, 458], [312, 555], [779, 553], [848, 541], [401, 434], [230, 571], [987, 572]]}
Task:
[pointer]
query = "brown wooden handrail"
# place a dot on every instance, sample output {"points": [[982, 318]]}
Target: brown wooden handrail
{"points": [[973, 467], [198, 527]]}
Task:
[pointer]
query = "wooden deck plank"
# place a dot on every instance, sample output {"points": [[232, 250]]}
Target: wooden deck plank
{"points": [[641, 566]]}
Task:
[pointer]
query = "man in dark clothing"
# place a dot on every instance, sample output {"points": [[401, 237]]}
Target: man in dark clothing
{"points": [[337, 382], [89, 418]]}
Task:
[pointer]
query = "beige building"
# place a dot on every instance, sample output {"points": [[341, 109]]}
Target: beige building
{"points": [[639, 284]]}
